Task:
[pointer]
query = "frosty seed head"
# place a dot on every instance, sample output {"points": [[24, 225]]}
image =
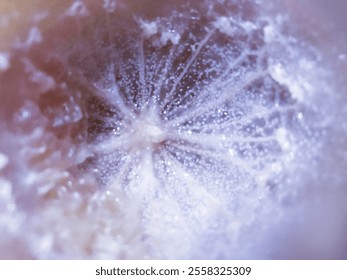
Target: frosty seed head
{"points": [[176, 129]]}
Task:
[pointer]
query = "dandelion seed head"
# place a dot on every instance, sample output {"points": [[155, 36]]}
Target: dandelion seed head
{"points": [[174, 134]]}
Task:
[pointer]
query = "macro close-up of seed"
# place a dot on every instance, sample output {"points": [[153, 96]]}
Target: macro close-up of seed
{"points": [[173, 130]]}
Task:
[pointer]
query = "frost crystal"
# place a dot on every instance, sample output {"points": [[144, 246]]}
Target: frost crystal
{"points": [[4, 61]]}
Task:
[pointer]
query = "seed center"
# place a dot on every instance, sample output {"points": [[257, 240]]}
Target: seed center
{"points": [[146, 132]]}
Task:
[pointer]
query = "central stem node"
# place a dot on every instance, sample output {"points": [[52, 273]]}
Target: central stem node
{"points": [[146, 132]]}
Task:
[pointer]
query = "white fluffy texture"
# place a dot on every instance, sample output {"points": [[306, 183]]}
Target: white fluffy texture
{"points": [[3, 161], [198, 153], [78, 8], [4, 61]]}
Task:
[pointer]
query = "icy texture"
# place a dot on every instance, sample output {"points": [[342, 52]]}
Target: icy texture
{"points": [[169, 136]]}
